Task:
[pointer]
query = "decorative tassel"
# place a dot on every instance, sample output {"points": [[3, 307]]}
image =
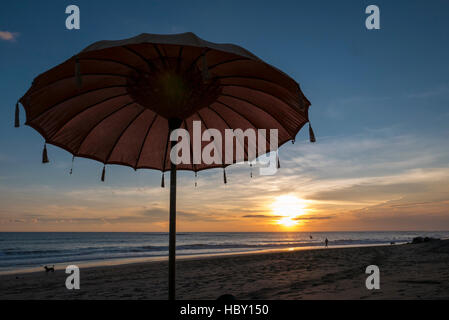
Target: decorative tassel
{"points": [[196, 179], [205, 70], [16, 119], [103, 173], [311, 134], [279, 163], [224, 176], [293, 141], [78, 73], [71, 168], [163, 181], [44, 154], [251, 166]]}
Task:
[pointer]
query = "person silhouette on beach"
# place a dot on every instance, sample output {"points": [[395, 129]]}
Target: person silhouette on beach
{"points": [[326, 242]]}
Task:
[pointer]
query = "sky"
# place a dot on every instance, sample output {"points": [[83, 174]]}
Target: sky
{"points": [[380, 112]]}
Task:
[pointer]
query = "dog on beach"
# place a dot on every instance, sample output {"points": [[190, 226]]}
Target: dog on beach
{"points": [[49, 268]]}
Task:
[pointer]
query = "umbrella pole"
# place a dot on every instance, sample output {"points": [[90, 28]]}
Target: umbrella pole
{"points": [[172, 231]]}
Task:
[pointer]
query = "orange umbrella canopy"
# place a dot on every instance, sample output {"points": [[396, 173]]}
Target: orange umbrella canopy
{"points": [[112, 102], [118, 101]]}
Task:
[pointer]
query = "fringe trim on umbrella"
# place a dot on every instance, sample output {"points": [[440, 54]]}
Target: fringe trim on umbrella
{"points": [[44, 154], [196, 179], [224, 176], [205, 70], [79, 81], [71, 168], [17, 116], [103, 173], [293, 141], [251, 168], [311, 134], [163, 180], [279, 162]]}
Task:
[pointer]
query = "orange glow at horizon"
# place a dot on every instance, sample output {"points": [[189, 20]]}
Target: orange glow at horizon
{"points": [[288, 208]]}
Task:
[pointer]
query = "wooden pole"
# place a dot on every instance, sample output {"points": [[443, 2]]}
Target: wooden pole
{"points": [[173, 125], [172, 236]]}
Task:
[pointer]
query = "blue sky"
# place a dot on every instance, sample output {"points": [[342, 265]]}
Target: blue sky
{"points": [[379, 110]]}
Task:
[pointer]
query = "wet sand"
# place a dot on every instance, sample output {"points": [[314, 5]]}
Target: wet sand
{"points": [[410, 271]]}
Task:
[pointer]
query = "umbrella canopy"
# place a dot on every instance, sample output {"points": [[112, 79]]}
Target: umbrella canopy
{"points": [[118, 101], [112, 102]]}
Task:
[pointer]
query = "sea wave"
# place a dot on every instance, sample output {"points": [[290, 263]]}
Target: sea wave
{"points": [[36, 249], [192, 246]]}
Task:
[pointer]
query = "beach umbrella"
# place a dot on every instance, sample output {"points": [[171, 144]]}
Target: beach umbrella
{"points": [[117, 102]]}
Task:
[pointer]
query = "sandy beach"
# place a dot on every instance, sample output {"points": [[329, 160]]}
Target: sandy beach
{"points": [[410, 271]]}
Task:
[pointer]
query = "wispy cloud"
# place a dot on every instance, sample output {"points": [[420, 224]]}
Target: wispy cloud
{"points": [[308, 218], [439, 90], [337, 108], [374, 180], [8, 36], [261, 216]]}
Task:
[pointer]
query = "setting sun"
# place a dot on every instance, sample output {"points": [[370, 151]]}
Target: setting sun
{"points": [[288, 208]]}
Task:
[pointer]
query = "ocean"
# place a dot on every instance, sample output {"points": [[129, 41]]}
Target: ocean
{"points": [[27, 250]]}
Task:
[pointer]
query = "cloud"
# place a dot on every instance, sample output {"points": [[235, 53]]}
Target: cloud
{"points": [[8, 36], [377, 179], [263, 216], [337, 108], [441, 89], [302, 218]]}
